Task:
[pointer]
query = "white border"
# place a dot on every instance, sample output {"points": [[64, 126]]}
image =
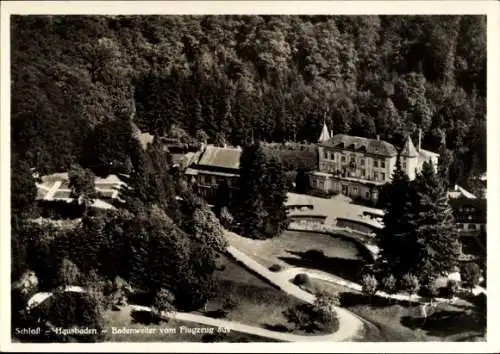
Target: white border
{"points": [[489, 8]]}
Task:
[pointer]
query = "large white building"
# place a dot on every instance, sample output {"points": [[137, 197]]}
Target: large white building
{"points": [[357, 166]]}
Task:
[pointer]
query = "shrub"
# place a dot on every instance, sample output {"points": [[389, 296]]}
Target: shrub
{"points": [[301, 280], [389, 284], [27, 284], [311, 318], [452, 288], [314, 255], [68, 273], [229, 303], [275, 268], [430, 290], [369, 284], [163, 301], [471, 273], [226, 218], [410, 284], [325, 303]]}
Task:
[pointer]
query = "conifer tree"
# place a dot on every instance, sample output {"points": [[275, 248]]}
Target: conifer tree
{"points": [[275, 189], [301, 182], [395, 237], [197, 115], [139, 182], [435, 232], [251, 211]]}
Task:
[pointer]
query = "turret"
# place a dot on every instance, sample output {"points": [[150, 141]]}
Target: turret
{"points": [[325, 134], [409, 158]]}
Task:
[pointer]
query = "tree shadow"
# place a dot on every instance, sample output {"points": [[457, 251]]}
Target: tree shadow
{"points": [[144, 317], [140, 298], [348, 299], [445, 323], [349, 269], [219, 313], [277, 328]]}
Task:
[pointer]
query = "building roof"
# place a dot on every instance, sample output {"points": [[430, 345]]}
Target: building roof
{"points": [[409, 149], [325, 134], [191, 171], [427, 154], [459, 192], [221, 157], [365, 145]]}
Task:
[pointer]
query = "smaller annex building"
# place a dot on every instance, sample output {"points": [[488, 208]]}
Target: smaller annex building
{"points": [[214, 166]]}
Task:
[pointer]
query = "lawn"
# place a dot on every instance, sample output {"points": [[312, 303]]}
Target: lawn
{"points": [[256, 302], [402, 322], [341, 255], [289, 243], [174, 330]]}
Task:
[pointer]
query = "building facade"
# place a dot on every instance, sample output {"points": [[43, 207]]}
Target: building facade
{"points": [[358, 167], [470, 219], [215, 166], [470, 215]]}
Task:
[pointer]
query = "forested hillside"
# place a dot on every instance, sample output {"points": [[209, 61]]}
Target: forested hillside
{"points": [[276, 77]]}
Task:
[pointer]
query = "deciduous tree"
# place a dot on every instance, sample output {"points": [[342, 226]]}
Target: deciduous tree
{"points": [[82, 185]]}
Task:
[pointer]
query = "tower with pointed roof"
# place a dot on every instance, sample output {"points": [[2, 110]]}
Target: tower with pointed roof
{"points": [[325, 134], [409, 158]]}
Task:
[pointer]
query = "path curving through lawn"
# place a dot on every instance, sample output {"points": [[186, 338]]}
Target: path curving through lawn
{"points": [[350, 325], [41, 297]]}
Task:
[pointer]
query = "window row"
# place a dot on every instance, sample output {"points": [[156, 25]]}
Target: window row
{"points": [[343, 158], [214, 180], [356, 173], [462, 226]]}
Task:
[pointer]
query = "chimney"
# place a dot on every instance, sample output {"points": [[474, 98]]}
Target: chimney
{"points": [[419, 139], [378, 137]]}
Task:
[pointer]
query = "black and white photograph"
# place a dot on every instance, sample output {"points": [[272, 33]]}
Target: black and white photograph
{"points": [[247, 178]]}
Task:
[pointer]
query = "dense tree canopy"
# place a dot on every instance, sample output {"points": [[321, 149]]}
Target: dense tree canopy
{"points": [[23, 187], [232, 77], [82, 87]]}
